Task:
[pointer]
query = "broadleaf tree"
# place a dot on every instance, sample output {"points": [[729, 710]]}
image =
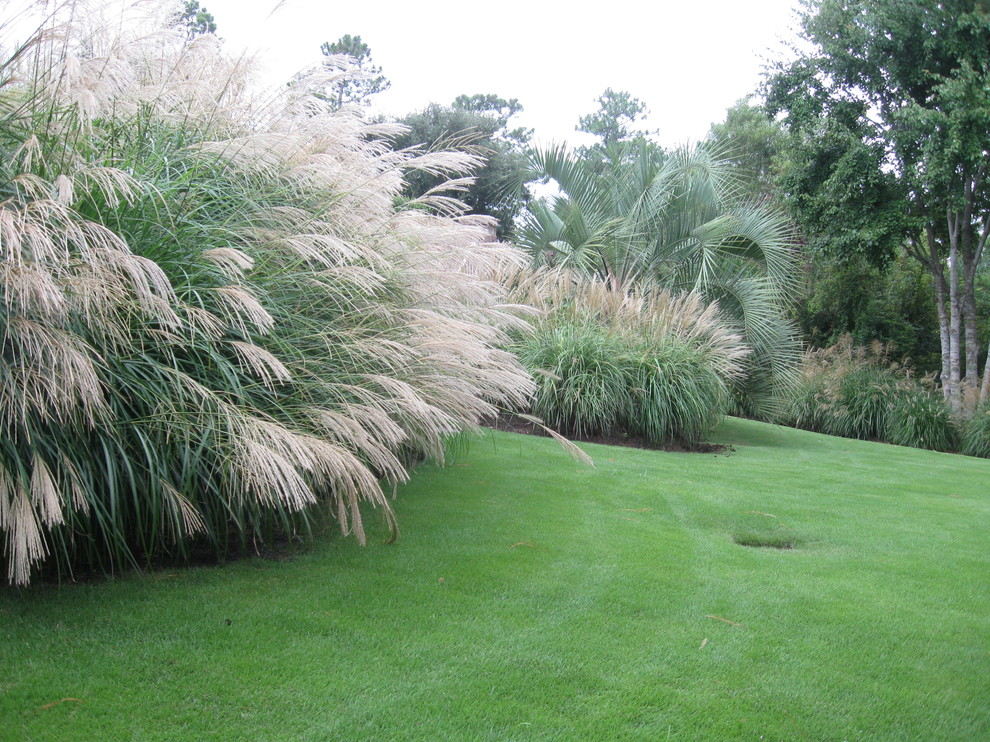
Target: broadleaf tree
{"points": [[752, 143], [888, 114], [868, 295]]}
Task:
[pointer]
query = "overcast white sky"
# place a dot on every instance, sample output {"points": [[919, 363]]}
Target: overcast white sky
{"points": [[688, 61]]}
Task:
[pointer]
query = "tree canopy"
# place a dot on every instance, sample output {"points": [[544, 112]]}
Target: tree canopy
{"points": [[196, 20], [889, 120], [614, 124], [616, 118], [356, 89], [483, 125], [752, 143]]}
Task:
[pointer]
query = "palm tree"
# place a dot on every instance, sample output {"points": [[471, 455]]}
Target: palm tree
{"points": [[648, 219]]}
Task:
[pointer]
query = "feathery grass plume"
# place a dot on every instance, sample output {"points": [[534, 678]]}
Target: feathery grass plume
{"points": [[44, 495], [25, 544], [214, 322], [657, 313]]}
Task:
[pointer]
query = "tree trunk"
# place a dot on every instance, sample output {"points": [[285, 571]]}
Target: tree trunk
{"points": [[972, 378], [985, 389], [970, 251], [955, 316], [972, 264], [934, 264]]}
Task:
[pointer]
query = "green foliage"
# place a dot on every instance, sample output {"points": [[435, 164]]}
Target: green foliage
{"points": [[497, 107], [854, 391], [847, 392], [752, 143], [196, 20], [807, 406], [920, 418], [676, 393], [848, 204], [975, 435], [614, 124], [593, 381], [653, 219], [895, 306], [863, 403], [481, 125], [656, 366], [582, 375], [888, 112]]}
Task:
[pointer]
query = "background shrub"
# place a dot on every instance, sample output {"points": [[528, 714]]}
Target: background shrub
{"points": [[975, 435], [855, 392], [920, 418], [844, 390], [863, 402]]}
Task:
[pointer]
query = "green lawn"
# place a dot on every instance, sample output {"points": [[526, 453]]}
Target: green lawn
{"points": [[532, 597]]}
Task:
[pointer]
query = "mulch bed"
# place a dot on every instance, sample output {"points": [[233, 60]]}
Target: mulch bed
{"points": [[514, 424]]}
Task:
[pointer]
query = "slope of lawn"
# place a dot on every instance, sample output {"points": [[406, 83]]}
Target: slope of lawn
{"points": [[532, 597]]}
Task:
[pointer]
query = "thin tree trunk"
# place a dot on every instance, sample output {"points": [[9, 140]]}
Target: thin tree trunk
{"points": [[972, 377], [985, 389], [968, 256], [955, 315], [934, 265], [971, 318]]}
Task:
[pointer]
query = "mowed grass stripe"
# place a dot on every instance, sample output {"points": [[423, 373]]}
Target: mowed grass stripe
{"points": [[532, 597]]}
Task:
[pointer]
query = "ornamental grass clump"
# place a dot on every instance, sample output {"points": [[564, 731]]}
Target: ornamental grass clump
{"points": [[975, 435], [676, 393], [581, 372], [862, 407], [657, 366], [855, 391], [845, 390], [920, 418], [215, 325]]}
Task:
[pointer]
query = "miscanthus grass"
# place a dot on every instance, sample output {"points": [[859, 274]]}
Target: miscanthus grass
{"points": [[215, 324], [653, 364], [856, 391]]}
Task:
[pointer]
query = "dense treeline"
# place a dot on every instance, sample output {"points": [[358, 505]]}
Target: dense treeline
{"points": [[886, 128]]}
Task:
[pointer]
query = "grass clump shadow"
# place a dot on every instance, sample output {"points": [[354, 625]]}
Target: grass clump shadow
{"points": [[766, 541], [761, 530]]}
